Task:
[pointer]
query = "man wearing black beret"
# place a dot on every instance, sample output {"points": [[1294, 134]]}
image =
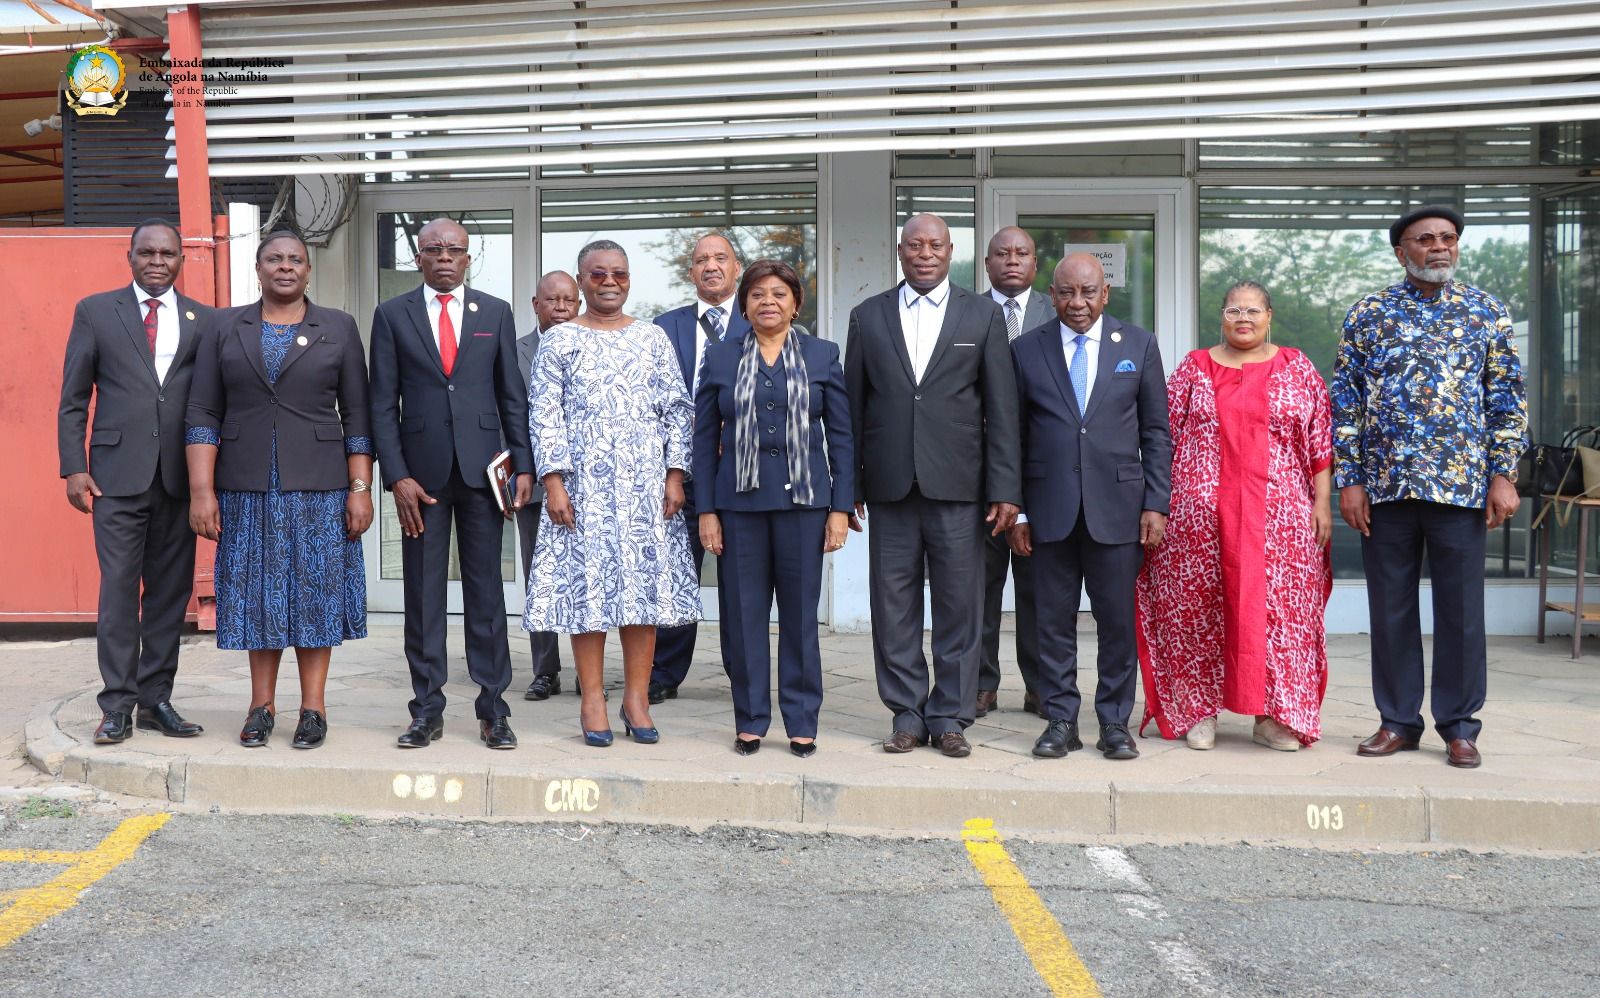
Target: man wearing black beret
{"points": [[1429, 417]]}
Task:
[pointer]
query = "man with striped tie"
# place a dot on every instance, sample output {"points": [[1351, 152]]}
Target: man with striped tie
{"points": [[1097, 472], [714, 315], [1012, 265]]}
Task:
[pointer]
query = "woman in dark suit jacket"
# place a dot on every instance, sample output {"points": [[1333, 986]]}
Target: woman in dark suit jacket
{"points": [[280, 465], [772, 500]]}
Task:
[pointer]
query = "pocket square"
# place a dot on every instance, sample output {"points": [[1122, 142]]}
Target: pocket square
{"points": [[1125, 367], [491, 334]]}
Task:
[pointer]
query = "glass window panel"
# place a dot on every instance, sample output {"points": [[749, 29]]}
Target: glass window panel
{"points": [[1134, 299], [1506, 145], [490, 239], [958, 206]]}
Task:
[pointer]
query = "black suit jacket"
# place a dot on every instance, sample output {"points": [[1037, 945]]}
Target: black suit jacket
{"points": [[423, 422], [1115, 460], [682, 326], [955, 433], [319, 399], [527, 351], [138, 422]]}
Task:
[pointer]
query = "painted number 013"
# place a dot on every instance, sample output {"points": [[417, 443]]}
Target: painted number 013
{"points": [[1325, 817]]}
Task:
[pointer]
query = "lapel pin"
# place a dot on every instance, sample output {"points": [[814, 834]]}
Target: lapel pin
{"points": [[189, 316], [472, 306], [1116, 337], [302, 340]]}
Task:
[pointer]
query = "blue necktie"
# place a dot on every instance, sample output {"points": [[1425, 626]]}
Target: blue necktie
{"points": [[1079, 369], [714, 322]]}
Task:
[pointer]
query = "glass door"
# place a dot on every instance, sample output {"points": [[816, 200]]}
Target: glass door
{"points": [[389, 235]]}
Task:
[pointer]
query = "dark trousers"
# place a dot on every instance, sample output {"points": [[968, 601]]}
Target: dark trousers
{"points": [[543, 644], [426, 563], [997, 557], [903, 535], [143, 539], [766, 554], [1454, 541], [1061, 570], [675, 645]]}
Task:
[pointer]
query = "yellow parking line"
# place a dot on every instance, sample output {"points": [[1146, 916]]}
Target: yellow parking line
{"points": [[41, 856], [36, 904], [1038, 931]]}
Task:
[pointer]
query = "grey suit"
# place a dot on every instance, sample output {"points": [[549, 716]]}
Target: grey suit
{"points": [[542, 644], [997, 559], [136, 457], [929, 454]]}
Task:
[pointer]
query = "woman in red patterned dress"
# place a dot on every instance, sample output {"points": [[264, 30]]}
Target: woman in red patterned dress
{"points": [[1230, 605]]}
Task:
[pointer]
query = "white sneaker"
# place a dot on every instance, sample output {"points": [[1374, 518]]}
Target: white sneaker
{"points": [[1203, 735], [1274, 736]]}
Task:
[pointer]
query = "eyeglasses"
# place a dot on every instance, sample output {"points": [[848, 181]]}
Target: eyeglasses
{"points": [[1235, 314], [435, 252], [1428, 240], [599, 276]]}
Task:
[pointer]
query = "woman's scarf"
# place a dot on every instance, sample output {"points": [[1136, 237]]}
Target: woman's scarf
{"points": [[797, 421]]}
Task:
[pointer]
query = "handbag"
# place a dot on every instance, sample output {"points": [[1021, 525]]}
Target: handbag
{"points": [[1579, 479], [1551, 470]]}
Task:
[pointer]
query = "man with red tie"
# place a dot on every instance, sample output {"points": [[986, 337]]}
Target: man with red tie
{"points": [[446, 398], [132, 351]]}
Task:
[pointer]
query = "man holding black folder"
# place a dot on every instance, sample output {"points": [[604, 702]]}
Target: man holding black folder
{"points": [[446, 398]]}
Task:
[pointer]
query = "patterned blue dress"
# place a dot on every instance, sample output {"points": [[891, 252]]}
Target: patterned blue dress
{"points": [[607, 409], [286, 577]]}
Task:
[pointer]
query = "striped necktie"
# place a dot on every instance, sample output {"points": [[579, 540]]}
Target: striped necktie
{"points": [[1013, 319]]}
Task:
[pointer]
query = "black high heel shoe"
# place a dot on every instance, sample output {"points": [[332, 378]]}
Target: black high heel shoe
{"points": [[804, 750], [644, 736], [747, 746]]}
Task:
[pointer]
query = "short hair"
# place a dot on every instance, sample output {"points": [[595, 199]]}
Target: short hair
{"points": [[762, 269], [599, 246], [151, 223], [1266, 295], [274, 236]]}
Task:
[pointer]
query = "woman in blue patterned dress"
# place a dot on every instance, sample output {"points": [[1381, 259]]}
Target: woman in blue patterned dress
{"points": [[280, 463], [610, 419]]}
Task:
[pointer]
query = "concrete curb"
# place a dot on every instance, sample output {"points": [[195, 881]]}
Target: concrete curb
{"points": [[1075, 810]]}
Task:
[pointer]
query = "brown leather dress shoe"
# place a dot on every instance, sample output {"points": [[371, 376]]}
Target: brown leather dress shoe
{"points": [[1030, 704], [954, 744], [987, 700], [901, 742], [1462, 754], [1386, 742]]}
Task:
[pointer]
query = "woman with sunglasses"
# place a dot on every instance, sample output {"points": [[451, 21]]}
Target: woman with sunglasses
{"points": [[1230, 604], [610, 421]]}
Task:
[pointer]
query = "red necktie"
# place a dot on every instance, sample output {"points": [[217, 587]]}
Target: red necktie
{"points": [[447, 336], [151, 324]]}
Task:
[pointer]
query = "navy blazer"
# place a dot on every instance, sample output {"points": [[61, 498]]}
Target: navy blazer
{"points": [[424, 422], [715, 471], [1114, 461], [319, 399], [683, 330]]}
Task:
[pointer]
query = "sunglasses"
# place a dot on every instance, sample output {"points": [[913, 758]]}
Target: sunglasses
{"points": [[599, 276]]}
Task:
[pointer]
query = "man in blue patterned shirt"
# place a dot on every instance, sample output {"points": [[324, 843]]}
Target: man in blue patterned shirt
{"points": [[1429, 417]]}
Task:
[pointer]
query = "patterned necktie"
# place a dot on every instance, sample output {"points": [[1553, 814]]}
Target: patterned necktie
{"points": [[713, 324], [1079, 369], [152, 325], [1013, 319], [447, 336]]}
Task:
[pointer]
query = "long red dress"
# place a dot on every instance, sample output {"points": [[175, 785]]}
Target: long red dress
{"points": [[1230, 605]]}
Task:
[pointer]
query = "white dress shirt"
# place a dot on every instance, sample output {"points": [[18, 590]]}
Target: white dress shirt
{"points": [[430, 298], [921, 319], [166, 328], [1092, 344], [700, 309]]}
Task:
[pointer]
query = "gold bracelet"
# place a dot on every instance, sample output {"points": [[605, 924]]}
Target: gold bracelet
{"points": [[357, 485]]}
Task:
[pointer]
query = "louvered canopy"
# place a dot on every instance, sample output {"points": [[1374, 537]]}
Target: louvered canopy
{"points": [[382, 88]]}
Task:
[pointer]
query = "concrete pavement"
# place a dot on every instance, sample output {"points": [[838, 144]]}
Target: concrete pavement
{"points": [[1539, 787]]}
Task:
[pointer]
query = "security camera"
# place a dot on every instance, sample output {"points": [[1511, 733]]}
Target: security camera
{"points": [[38, 125]]}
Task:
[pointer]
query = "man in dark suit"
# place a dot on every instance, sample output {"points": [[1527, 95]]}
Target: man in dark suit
{"points": [[934, 414], [1097, 473], [1012, 265], [445, 397], [555, 301], [712, 317], [132, 350]]}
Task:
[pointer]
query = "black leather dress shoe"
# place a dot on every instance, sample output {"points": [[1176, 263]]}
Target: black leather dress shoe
{"points": [[164, 717], [1116, 743], [311, 731], [660, 692], [423, 732], [543, 688], [1059, 738], [497, 734], [257, 727], [115, 726]]}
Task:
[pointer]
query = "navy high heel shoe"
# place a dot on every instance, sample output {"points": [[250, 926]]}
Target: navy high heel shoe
{"points": [[597, 739], [644, 736]]}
